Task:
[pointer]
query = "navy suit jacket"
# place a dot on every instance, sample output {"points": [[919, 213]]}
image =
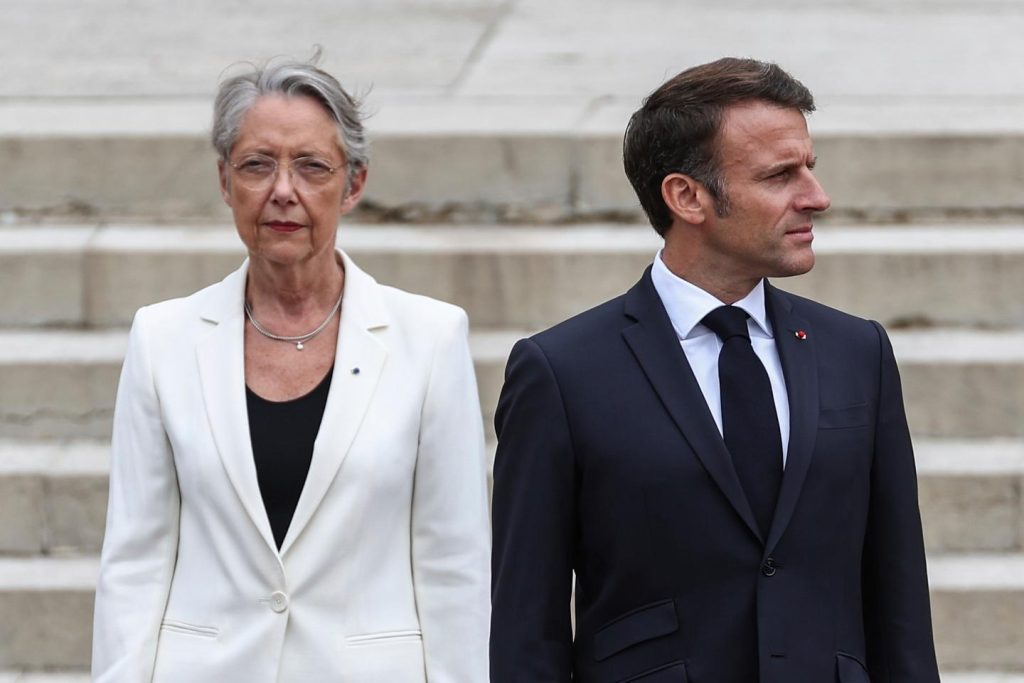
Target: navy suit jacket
{"points": [[609, 465]]}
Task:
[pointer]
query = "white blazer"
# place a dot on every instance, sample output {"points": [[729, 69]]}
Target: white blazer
{"points": [[384, 574]]}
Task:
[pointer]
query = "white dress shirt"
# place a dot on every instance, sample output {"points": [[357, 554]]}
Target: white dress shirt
{"points": [[687, 305]]}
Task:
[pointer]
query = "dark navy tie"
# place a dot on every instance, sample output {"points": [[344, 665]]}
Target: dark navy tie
{"points": [[750, 423]]}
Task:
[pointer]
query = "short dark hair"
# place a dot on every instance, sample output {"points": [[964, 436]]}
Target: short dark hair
{"points": [[675, 129]]}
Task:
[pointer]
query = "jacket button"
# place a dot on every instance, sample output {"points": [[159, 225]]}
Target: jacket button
{"points": [[278, 601], [768, 567]]}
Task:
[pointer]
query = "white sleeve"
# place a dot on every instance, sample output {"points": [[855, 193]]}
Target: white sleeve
{"points": [[450, 522], [141, 540]]}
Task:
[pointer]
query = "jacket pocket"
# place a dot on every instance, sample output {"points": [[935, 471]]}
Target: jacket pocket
{"points": [[844, 418], [644, 623], [189, 629], [849, 669], [412, 635], [669, 673]]}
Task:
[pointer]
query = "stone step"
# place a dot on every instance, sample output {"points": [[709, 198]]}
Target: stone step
{"points": [[977, 607], [44, 677], [957, 383], [524, 277], [53, 495], [504, 158], [978, 611], [46, 612]]}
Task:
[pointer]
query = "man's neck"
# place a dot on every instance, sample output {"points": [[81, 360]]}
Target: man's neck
{"points": [[717, 282]]}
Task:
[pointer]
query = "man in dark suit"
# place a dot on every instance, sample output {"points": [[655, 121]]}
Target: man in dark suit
{"points": [[726, 467]]}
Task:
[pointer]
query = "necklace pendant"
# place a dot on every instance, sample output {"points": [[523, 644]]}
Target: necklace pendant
{"points": [[299, 346]]}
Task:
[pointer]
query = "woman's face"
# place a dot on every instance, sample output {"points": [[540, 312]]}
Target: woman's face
{"points": [[286, 218]]}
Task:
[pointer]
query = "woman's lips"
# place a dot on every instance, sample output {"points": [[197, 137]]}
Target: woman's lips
{"points": [[283, 226]]}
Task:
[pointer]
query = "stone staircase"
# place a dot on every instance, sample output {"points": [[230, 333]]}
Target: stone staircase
{"points": [[496, 184], [941, 289]]}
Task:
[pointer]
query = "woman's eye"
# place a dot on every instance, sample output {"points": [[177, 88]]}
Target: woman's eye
{"points": [[256, 166], [315, 167]]}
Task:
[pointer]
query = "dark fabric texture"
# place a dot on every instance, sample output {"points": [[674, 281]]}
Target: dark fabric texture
{"points": [[610, 467], [750, 423], [282, 434]]}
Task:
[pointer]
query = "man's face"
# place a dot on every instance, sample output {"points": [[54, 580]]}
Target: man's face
{"points": [[765, 159]]}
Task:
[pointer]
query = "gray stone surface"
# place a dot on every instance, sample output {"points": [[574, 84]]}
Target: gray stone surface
{"points": [[970, 495], [977, 602], [22, 507], [505, 175], [46, 612], [510, 111], [525, 277], [507, 108], [104, 48], [956, 383]]}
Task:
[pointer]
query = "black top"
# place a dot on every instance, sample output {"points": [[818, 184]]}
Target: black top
{"points": [[282, 434]]}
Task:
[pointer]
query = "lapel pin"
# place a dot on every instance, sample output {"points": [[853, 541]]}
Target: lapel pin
{"points": [[800, 334], [355, 371]]}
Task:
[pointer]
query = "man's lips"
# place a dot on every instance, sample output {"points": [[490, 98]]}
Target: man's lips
{"points": [[283, 226], [803, 232]]}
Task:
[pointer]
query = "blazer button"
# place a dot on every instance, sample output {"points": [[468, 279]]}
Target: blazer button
{"points": [[768, 567], [278, 601]]}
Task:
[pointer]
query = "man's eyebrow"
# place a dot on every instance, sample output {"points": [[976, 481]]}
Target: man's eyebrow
{"points": [[786, 164]]}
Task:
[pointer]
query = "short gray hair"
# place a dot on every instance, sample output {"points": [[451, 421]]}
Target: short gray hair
{"points": [[236, 95]]}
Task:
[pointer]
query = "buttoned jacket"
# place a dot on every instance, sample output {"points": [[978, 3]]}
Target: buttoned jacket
{"points": [[610, 466], [383, 574]]}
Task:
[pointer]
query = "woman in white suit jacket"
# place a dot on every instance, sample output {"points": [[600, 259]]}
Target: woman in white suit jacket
{"points": [[222, 563]]}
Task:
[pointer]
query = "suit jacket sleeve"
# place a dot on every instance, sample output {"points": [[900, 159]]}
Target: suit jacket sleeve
{"points": [[450, 532], [896, 604], [533, 519], [141, 540]]}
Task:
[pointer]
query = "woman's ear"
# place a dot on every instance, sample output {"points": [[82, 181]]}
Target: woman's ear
{"points": [[354, 190], [222, 175]]}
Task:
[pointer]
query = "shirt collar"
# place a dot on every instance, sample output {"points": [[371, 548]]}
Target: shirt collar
{"points": [[687, 304]]}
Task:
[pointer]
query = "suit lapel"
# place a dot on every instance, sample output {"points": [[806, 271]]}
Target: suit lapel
{"points": [[221, 359], [799, 367], [656, 347], [358, 363]]}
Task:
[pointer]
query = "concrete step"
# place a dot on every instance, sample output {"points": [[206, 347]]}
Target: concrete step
{"points": [[977, 606], [44, 677], [524, 277], [957, 383], [53, 495], [971, 494], [978, 611], [46, 612], [504, 158]]}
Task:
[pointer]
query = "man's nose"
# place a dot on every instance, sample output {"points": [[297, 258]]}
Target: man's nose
{"points": [[814, 197]]}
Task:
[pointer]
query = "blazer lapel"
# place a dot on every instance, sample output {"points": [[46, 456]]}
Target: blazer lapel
{"points": [[221, 359], [656, 347], [358, 363], [795, 341]]}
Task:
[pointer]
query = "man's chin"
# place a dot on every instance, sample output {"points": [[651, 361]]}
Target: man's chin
{"points": [[796, 266]]}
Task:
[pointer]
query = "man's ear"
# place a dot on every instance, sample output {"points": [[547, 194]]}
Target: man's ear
{"points": [[222, 175], [685, 198]]}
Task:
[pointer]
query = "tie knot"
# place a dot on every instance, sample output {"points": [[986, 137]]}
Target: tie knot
{"points": [[728, 322]]}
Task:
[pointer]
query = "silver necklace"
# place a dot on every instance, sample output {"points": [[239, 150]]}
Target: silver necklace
{"points": [[298, 340]]}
